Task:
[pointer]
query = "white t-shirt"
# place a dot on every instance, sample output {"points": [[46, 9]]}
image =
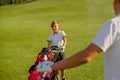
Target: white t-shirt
{"points": [[108, 39], [57, 38]]}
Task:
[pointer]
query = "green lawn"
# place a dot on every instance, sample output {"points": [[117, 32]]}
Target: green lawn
{"points": [[24, 30]]}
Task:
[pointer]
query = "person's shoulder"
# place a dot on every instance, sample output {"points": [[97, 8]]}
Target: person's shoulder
{"points": [[113, 23], [116, 20], [61, 32]]}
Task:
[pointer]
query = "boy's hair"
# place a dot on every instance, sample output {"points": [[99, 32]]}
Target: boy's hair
{"points": [[53, 22]]}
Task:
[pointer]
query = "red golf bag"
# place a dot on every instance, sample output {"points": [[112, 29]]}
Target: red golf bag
{"points": [[45, 55]]}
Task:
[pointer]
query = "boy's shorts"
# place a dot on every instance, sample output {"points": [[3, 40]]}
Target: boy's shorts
{"points": [[61, 56]]}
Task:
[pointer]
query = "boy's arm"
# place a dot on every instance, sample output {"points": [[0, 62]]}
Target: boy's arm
{"points": [[49, 44], [64, 41]]}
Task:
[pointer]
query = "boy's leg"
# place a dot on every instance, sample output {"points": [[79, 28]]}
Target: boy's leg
{"points": [[57, 76], [61, 56], [63, 71], [63, 74]]}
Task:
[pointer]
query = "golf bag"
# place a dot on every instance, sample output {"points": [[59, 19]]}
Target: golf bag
{"points": [[45, 55]]}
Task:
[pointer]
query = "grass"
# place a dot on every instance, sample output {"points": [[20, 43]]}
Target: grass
{"points": [[24, 30]]}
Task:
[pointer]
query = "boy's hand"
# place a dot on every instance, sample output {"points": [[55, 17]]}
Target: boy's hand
{"points": [[44, 66], [62, 48]]}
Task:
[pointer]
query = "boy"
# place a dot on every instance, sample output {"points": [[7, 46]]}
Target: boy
{"points": [[58, 38]]}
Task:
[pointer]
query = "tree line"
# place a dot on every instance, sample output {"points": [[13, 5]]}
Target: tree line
{"points": [[10, 2]]}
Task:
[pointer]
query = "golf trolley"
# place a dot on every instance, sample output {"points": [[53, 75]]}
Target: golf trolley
{"points": [[45, 55]]}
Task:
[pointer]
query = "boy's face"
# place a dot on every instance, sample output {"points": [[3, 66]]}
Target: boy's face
{"points": [[55, 28]]}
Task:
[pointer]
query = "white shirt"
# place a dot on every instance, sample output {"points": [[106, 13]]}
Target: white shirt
{"points": [[108, 39], [57, 38]]}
